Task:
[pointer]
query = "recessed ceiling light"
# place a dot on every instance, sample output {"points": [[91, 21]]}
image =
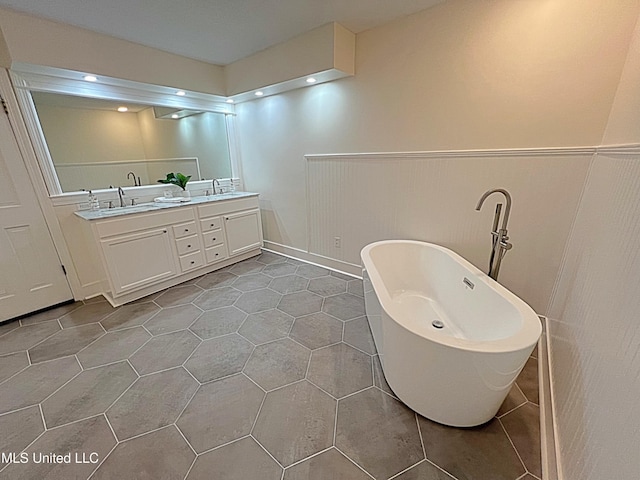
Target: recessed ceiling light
{"points": [[259, 93], [229, 100], [90, 78], [122, 109], [181, 93], [311, 80], [175, 115]]}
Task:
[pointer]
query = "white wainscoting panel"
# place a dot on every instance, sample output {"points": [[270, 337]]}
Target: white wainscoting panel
{"points": [[431, 196], [595, 327]]}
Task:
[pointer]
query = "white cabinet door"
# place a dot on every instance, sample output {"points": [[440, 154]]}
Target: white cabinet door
{"points": [[243, 230], [31, 275], [138, 259]]}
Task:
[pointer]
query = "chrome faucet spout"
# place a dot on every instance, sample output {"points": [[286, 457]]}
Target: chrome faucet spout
{"points": [[499, 238], [121, 195], [507, 211]]}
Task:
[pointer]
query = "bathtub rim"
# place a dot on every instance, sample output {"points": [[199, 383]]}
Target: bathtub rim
{"points": [[526, 337]]}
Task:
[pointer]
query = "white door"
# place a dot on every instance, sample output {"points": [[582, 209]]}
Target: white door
{"points": [[31, 275]]}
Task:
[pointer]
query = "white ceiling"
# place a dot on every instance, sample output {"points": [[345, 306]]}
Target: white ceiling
{"points": [[216, 31]]}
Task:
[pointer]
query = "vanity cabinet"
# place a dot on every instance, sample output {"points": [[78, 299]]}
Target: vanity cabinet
{"points": [[138, 259], [145, 252]]}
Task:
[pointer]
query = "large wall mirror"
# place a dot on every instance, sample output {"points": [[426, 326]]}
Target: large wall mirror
{"points": [[97, 143], [114, 132]]}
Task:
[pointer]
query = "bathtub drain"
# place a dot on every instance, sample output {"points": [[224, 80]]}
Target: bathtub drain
{"points": [[437, 324]]}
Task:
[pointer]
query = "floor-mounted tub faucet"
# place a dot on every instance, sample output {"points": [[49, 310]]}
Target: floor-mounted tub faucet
{"points": [[499, 241]]}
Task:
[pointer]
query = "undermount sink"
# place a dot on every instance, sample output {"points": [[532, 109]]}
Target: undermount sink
{"points": [[110, 212]]}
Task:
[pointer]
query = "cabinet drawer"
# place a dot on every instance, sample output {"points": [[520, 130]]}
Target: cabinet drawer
{"points": [[187, 245], [209, 224], [211, 239], [191, 261], [215, 254], [184, 229]]}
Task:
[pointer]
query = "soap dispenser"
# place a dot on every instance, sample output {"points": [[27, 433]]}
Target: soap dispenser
{"points": [[94, 204]]}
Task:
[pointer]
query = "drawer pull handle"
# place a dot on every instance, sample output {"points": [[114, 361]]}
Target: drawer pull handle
{"points": [[217, 254]]}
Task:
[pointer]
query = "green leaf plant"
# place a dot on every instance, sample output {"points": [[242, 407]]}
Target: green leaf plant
{"points": [[176, 179]]}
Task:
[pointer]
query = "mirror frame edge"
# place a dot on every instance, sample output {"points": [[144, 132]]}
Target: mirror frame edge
{"points": [[26, 78]]}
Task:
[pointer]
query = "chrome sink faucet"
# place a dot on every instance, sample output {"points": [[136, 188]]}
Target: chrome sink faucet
{"points": [[121, 195], [213, 184], [500, 243]]}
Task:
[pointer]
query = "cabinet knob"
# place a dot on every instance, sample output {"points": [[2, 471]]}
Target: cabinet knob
{"points": [[192, 262], [186, 229], [214, 239], [217, 254], [188, 246], [164, 231], [213, 224]]}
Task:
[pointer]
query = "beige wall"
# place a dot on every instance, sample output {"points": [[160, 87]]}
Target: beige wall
{"points": [[461, 75], [594, 325], [42, 42]]}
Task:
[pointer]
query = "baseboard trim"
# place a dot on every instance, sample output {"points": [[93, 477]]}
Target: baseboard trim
{"points": [[315, 259], [548, 439]]}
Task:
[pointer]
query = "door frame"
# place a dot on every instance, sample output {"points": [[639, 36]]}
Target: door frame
{"points": [[27, 152]]}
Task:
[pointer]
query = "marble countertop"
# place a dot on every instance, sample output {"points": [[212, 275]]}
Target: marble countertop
{"points": [[155, 206]]}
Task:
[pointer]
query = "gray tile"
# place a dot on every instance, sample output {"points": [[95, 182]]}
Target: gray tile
{"points": [[340, 370], [66, 342], [88, 394], [220, 412], [36, 383], [378, 432], [12, 364], [269, 258], [152, 402], [355, 287], [149, 298], [113, 347], [164, 351], [289, 284], [221, 321], [341, 276], [317, 330], [523, 427], [358, 334], [91, 436], [91, 313], [247, 267], [19, 429], [296, 421], [471, 453], [218, 297], [172, 319], [266, 326], [279, 269], [258, 301], [295, 261], [24, 338], [51, 314], [514, 399], [378, 376], [7, 327], [424, 471], [161, 455], [300, 303], [344, 306], [528, 381], [130, 316], [279, 363], [326, 286], [328, 465], [254, 281], [219, 357], [241, 460], [311, 271], [178, 296], [216, 280]]}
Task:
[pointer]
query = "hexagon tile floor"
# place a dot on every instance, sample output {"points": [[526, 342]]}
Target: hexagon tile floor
{"points": [[264, 370]]}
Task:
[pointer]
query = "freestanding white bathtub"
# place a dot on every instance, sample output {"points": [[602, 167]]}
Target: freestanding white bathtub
{"points": [[459, 374]]}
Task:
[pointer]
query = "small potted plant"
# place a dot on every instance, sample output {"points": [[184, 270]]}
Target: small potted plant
{"points": [[177, 179]]}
